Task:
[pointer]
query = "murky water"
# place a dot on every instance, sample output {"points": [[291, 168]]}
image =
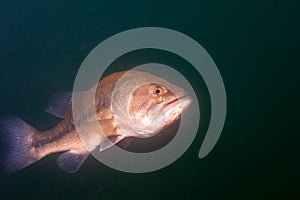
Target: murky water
{"points": [[42, 45]]}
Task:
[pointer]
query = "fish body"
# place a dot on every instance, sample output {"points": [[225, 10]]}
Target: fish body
{"points": [[127, 104]]}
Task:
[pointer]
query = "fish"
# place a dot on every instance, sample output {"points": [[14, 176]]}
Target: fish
{"points": [[127, 104]]}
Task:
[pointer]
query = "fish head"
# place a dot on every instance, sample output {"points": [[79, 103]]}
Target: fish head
{"points": [[154, 106], [144, 104]]}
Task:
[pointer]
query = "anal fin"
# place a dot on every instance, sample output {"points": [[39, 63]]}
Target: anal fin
{"points": [[71, 161]]}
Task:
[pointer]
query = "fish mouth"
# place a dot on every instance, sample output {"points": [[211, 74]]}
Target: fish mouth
{"points": [[186, 99]]}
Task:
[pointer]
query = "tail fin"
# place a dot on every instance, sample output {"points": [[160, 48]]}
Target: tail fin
{"points": [[16, 136]]}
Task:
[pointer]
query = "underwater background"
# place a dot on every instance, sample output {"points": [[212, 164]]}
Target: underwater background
{"points": [[253, 43]]}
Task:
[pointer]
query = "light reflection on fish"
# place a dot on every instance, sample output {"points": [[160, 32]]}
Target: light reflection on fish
{"points": [[133, 110]]}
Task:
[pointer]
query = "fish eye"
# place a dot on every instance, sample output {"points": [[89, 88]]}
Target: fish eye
{"points": [[157, 90]]}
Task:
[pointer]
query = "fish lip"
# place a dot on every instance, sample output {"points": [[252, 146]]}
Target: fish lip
{"points": [[179, 99]]}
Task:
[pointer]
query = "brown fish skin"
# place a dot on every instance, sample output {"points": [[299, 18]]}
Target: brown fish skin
{"points": [[151, 106], [64, 136]]}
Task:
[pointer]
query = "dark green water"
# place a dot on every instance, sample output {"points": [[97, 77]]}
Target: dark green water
{"points": [[254, 44]]}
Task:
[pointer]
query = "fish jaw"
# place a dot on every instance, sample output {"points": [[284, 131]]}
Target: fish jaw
{"points": [[174, 108], [162, 115], [169, 111]]}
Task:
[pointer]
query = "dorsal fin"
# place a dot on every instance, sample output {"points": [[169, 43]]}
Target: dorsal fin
{"points": [[60, 103]]}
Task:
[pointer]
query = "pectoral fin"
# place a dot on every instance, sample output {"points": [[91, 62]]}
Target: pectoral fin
{"points": [[108, 135], [110, 142], [71, 161], [107, 126], [125, 143]]}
